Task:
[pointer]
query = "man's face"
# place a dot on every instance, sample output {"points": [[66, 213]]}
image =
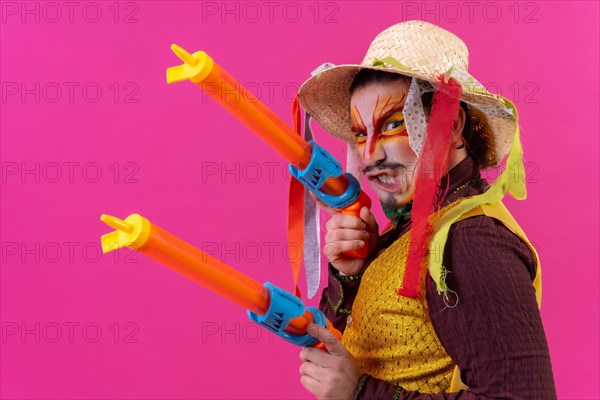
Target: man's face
{"points": [[378, 124]]}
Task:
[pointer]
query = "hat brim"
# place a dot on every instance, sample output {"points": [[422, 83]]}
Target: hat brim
{"points": [[326, 97]]}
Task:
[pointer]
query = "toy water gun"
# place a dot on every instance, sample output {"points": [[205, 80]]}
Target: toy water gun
{"points": [[273, 308], [311, 164]]}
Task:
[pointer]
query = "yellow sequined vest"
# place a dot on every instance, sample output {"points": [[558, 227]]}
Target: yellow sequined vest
{"points": [[391, 337]]}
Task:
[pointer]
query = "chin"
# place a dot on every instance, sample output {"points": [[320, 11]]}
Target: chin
{"points": [[396, 199], [402, 194]]}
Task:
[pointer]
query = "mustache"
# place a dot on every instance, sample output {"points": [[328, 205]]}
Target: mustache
{"points": [[381, 166]]}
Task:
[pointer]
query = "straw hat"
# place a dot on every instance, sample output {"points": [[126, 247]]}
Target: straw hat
{"points": [[415, 49]]}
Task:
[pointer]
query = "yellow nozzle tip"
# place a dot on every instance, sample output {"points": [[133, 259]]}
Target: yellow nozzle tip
{"points": [[184, 55], [133, 232], [116, 223]]}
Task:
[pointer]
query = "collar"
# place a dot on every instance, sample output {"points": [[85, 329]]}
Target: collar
{"points": [[464, 172]]}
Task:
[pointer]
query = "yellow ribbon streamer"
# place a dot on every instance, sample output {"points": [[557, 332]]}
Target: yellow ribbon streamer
{"points": [[512, 179]]}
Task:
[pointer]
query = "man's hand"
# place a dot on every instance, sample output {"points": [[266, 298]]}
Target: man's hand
{"points": [[348, 232], [328, 374]]}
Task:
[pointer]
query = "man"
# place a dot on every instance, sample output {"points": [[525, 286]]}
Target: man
{"points": [[444, 306]]}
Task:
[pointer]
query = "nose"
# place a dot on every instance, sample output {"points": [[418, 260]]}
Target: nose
{"points": [[373, 152]]}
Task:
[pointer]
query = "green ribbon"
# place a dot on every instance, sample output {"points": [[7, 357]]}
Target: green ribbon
{"points": [[392, 61], [470, 83]]}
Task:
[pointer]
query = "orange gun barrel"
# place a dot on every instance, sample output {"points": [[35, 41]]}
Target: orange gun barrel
{"points": [[238, 100], [235, 98], [138, 233], [225, 90]]}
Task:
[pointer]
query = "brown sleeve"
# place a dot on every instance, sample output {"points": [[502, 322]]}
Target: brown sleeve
{"points": [[494, 332], [338, 297]]}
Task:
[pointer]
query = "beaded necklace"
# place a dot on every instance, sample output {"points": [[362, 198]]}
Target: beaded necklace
{"points": [[467, 183]]}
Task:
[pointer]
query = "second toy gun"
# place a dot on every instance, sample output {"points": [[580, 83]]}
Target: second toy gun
{"points": [[311, 164], [273, 308]]}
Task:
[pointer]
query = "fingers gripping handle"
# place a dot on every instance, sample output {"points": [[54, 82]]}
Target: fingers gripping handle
{"points": [[354, 209], [336, 333]]}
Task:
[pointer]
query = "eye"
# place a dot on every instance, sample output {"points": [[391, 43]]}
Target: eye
{"points": [[360, 136], [391, 125]]}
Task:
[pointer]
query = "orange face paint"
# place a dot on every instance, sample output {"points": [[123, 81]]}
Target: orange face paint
{"points": [[387, 122]]}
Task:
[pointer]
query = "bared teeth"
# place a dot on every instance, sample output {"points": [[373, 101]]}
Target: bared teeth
{"points": [[385, 179]]}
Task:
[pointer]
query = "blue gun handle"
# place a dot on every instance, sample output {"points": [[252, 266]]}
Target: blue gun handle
{"points": [[321, 167], [283, 308]]}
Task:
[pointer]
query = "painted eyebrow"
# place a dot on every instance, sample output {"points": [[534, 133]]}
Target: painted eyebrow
{"points": [[385, 114], [361, 125]]}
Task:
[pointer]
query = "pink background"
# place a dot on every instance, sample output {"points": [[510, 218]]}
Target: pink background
{"points": [[169, 153]]}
